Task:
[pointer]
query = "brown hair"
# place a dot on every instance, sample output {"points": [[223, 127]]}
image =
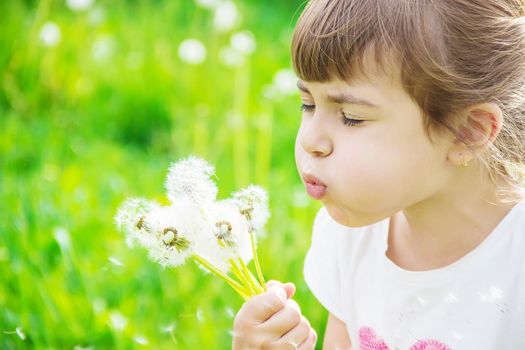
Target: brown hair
{"points": [[451, 54]]}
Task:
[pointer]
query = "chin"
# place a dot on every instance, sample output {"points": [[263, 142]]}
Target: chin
{"points": [[350, 219]]}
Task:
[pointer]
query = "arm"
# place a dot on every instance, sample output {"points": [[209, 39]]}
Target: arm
{"points": [[336, 336]]}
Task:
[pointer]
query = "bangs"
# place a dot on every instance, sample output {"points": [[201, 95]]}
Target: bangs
{"points": [[353, 39]]}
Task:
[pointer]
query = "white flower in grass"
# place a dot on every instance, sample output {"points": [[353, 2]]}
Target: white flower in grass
{"points": [[231, 57], [50, 34], [244, 42], [253, 204], [171, 232], [130, 219], [192, 51], [226, 16], [190, 179], [79, 5], [118, 321], [285, 82], [208, 4]]}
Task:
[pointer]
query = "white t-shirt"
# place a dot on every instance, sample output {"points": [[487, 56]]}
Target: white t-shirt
{"points": [[476, 303]]}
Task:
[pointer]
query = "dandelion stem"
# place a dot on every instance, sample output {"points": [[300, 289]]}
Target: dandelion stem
{"points": [[234, 284], [249, 276], [256, 262], [238, 273]]}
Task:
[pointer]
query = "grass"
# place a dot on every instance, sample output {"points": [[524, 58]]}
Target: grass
{"points": [[98, 118]]}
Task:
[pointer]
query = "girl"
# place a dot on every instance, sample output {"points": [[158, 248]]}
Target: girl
{"points": [[413, 138]]}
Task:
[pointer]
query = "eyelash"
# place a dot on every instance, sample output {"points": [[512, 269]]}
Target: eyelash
{"points": [[346, 121]]}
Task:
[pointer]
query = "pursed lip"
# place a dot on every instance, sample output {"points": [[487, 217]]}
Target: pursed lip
{"points": [[311, 179], [314, 187]]}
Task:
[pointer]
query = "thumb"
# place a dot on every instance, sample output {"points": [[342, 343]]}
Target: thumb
{"points": [[289, 287]]}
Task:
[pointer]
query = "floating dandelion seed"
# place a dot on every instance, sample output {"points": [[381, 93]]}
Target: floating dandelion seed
{"points": [[141, 340]]}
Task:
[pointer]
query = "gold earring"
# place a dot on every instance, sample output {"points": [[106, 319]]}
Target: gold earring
{"points": [[463, 163]]}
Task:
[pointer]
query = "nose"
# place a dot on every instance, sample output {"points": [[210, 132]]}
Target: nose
{"points": [[315, 139]]}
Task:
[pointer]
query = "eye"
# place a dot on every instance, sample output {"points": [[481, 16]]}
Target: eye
{"points": [[307, 108], [349, 121]]}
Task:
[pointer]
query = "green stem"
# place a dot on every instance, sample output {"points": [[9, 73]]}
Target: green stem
{"points": [[238, 273], [256, 262], [253, 281], [234, 284]]}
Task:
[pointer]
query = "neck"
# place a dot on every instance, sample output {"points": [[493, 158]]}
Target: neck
{"points": [[441, 229]]}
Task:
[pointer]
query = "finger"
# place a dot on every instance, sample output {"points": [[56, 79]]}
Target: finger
{"points": [[297, 335], [310, 342], [289, 287], [284, 320], [261, 307]]}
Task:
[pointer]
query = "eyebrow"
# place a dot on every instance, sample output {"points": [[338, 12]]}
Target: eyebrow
{"points": [[343, 98]]}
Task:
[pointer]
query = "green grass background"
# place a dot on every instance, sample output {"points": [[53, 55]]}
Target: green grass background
{"points": [[79, 135]]}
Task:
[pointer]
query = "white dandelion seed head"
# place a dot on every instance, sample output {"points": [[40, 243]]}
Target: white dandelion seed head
{"points": [[130, 216], [192, 51], [253, 201], [190, 179], [118, 321], [79, 5], [231, 228], [208, 4], [226, 16], [243, 42], [231, 58], [103, 48], [50, 34], [285, 82], [171, 232], [96, 16]]}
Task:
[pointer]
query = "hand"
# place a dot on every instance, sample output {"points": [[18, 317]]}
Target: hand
{"points": [[272, 321]]}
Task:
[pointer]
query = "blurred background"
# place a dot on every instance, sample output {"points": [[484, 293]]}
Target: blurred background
{"points": [[97, 97]]}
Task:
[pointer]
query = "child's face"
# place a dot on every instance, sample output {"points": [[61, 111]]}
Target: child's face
{"points": [[374, 169]]}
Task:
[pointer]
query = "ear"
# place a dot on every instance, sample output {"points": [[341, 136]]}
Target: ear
{"points": [[479, 127]]}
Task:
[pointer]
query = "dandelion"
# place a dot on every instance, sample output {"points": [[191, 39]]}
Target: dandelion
{"points": [[243, 42], [103, 48], [50, 34], [208, 4], [285, 82], [79, 5], [226, 16], [192, 51], [190, 178], [118, 321], [130, 218], [231, 57], [218, 235]]}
